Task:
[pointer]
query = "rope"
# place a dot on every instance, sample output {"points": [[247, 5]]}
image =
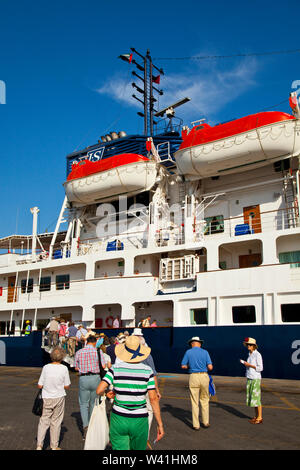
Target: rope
{"points": [[253, 54]]}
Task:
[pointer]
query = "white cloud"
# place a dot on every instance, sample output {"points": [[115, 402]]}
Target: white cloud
{"points": [[210, 87]]}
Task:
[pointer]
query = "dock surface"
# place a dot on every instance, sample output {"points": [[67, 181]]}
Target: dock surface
{"points": [[229, 415]]}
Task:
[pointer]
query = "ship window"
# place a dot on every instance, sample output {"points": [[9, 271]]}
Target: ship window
{"points": [[292, 257], [4, 328], [290, 313], [63, 281], [244, 314], [214, 224], [45, 283], [26, 287], [199, 316]]}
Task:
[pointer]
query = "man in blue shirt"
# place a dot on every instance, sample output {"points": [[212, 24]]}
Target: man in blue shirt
{"points": [[198, 362]]}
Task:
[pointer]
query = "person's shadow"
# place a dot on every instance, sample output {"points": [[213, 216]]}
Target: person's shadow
{"points": [[229, 409], [77, 416], [178, 413], [185, 415]]}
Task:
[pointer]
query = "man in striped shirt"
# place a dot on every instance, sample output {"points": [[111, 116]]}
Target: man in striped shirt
{"points": [[87, 364], [131, 381]]}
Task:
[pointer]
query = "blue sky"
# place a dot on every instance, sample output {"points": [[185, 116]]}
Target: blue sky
{"points": [[65, 86]]}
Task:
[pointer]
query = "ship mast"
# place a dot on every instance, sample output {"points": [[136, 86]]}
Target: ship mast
{"points": [[147, 88]]}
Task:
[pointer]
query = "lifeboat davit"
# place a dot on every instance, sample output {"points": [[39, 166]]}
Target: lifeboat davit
{"points": [[250, 142], [102, 180]]}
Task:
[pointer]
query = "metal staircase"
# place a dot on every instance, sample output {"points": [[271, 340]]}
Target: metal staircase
{"points": [[289, 193]]}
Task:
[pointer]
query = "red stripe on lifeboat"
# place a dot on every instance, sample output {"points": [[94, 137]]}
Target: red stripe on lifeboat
{"points": [[204, 133], [86, 167]]}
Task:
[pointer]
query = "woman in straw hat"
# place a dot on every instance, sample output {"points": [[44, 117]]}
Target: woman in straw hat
{"points": [[254, 367], [131, 381]]}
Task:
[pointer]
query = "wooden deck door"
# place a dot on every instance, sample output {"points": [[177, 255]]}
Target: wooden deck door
{"points": [[247, 261], [11, 290], [252, 218]]}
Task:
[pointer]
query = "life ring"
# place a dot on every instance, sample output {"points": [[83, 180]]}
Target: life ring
{"points": [[109, 321]]}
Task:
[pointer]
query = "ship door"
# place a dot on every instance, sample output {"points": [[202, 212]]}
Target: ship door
{"points": [[252, 218], [11, 290], [248, 261]]}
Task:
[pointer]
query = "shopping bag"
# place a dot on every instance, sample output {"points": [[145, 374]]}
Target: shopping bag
{"points": [[37, 408], [97, 436], [211, 387]]}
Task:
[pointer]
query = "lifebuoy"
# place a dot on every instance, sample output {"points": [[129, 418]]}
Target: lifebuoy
{"points": [[109, 321]]}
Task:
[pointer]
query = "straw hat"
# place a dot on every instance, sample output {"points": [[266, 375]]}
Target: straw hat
{"points": [[249, 341], [132, 351]]}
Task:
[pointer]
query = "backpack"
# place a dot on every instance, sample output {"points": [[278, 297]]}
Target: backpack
{"points": [[62, 330]]}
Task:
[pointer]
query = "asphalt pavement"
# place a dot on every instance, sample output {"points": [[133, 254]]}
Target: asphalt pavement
{"points": [[229, 415]]}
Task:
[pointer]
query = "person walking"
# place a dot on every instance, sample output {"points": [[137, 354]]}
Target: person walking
{"points": [[254, 367], [80, 335], [110, 350], [87, 364], [131, 380], [198, 361], [53, 328], [71, 340], [149, 362], [54, 381], [62, 332], [146, 322]]}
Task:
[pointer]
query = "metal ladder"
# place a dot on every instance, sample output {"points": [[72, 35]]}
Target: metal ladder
{"points": [[290, 198]]}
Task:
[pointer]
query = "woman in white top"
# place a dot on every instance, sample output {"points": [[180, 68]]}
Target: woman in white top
{"points": [[254, 367], [54, 381]]}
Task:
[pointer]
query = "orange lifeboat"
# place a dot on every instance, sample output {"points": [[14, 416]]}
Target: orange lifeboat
{"points": [[246, 143]]}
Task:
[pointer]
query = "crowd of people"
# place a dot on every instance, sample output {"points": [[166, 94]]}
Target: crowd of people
{"points": [[122, 368]]}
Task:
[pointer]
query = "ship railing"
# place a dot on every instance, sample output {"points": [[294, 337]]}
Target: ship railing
{"points": [[268, 221]]}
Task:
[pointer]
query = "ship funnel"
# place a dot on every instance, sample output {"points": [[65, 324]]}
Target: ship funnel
{"points": [[114, 135], [122, 134], [108, 137]]}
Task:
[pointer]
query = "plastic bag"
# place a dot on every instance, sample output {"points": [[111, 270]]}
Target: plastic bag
{"points": [[97, 436], [211, 388]]}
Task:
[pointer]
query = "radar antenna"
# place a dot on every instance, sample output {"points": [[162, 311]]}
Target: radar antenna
{"points": [[169, 111]]}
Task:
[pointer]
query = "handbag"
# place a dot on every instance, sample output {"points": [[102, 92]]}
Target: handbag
{"points": [[37, 408], [97, 436], [102, 370]]}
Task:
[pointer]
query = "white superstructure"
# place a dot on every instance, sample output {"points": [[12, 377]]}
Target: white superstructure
{"points": [[216, 251]]}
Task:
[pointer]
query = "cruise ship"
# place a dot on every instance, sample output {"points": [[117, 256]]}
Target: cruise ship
{"points": [[196, 226]]}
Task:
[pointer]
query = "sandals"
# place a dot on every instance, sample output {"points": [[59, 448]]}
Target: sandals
{"points": [[256, 421]]}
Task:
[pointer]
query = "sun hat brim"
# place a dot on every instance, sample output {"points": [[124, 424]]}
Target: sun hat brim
{"points": [[124, 355], [195, 340]]}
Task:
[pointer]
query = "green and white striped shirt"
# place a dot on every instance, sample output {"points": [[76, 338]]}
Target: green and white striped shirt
{"points": [[131, 383]]}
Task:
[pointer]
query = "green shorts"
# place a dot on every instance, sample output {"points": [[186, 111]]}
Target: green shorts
{"points": [[128, 433], [253, 392]]}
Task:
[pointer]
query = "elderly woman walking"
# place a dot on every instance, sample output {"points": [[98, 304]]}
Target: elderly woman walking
{"points": [[54, 381], [254, 367]]}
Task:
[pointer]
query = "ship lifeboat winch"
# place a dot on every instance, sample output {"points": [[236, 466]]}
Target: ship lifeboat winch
{"points": [[246, 143], [95, 181]]}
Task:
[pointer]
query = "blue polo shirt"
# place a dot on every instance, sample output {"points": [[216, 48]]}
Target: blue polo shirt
{"points": [[197, 359]]}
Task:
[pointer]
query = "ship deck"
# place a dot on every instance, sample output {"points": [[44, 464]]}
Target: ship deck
{"points": [[230, 429]]}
